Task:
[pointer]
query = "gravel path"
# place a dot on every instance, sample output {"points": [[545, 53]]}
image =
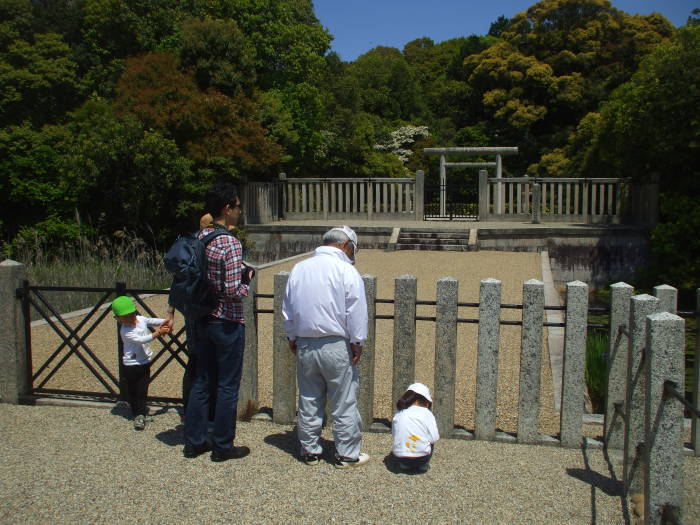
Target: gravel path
{"points": [[86, 465]]}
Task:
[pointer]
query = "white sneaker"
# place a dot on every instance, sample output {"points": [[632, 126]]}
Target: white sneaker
{"points": [[352, 463], [139, 422]]}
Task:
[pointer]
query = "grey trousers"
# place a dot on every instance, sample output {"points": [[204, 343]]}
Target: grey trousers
{"points": [[324, 369]]}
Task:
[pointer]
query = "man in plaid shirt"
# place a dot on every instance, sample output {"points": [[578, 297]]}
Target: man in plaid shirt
{"points": [[219, 338]]}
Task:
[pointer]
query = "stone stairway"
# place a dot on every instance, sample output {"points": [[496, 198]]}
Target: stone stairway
{"points": [[420, 239]]}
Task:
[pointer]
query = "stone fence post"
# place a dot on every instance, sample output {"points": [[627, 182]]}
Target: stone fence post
{"points": [[365, 367], [640, 307], [618, 349], [283, 361], [14, 375], [536, 203], [487, 359], [419, 200], [530, 361], [574, 363], [445, 354], [663, 453], [484, 211], [695, 422], [248, 391], [405, 292]]}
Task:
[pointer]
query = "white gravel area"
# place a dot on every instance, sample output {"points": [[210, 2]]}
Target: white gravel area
{"points": [[86, 465]]}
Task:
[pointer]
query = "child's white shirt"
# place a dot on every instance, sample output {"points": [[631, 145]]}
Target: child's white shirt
{"points": [[136, 338], [414, 431]]}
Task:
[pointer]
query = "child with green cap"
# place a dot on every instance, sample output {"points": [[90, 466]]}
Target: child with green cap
{"points": [[137, 353]]}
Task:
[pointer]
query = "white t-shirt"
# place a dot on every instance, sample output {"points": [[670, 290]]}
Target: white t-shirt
{"points": [[325, 296], [414, 432], [136, 338]]}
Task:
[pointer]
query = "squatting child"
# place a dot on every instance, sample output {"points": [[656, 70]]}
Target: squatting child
{"points": [[137, 353], [413, 429]]}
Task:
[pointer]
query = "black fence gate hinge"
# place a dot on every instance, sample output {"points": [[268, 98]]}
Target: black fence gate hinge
{"points": [[20, 293]]}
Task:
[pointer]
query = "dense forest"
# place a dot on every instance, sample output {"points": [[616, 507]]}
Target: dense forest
{"points": [[116, 114]]}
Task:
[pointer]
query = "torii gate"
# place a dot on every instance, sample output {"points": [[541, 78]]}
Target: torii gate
{"points": [[498, 151]]}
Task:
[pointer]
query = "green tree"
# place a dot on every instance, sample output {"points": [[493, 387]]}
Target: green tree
{"points": [[219, 54], [38, 80]]}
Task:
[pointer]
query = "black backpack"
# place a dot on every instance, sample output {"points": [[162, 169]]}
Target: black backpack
{"points": [[191, 292]]}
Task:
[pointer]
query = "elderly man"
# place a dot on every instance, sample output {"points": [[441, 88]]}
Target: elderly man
{"points": [[325, 317]]}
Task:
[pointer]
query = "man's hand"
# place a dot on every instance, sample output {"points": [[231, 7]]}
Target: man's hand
{"points": [[292, 346], [356, 353], [169, 322]]}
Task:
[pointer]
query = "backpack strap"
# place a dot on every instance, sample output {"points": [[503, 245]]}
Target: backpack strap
{"points": [[213, 235]]}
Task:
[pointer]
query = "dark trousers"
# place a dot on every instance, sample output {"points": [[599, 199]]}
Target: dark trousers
{"points": [[218, 362], [137, 379]]}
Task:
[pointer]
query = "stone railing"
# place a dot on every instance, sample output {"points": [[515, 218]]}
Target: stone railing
{"points": [[550, 199], [352, 198]]}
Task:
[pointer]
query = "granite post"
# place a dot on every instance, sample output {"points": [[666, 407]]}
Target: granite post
{"points": [[365, 367], [405, 291], [640, 307], [419, 199], [283, 361], [530, 361], [14, 373], [445, 354], [484, 211], [487, 359], [668, 298], [574, 364], [536, 203], [663, 454], [616, 388], [248, 391]]}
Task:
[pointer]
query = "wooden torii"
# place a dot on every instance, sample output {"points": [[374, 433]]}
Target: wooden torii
{"points": [[498, 151]]}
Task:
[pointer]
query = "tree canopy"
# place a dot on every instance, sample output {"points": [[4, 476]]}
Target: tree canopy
{"points": [[125, 110]]}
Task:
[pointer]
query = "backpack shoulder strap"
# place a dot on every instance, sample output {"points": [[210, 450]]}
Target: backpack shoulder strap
{"points": [[213, 235]]}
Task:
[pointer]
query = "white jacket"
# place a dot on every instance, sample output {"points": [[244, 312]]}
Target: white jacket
{"points": [[414, 431], [325, 296], [136, 338]]}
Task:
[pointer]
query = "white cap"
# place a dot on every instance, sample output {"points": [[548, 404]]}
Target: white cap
{"points": [[420, 388], [347, 231]]}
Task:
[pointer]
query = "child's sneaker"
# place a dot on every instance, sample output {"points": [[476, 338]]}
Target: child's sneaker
{"points": [[351, 463], [311, 459], [139, 422]]}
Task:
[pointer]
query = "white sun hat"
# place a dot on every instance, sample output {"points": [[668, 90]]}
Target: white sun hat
{"points": [[420, 388]]}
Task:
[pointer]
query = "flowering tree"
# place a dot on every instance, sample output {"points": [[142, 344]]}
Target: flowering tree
{"points": [[402, 140]]}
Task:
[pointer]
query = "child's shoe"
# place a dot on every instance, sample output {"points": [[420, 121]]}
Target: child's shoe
{"points": [[139, 422]]}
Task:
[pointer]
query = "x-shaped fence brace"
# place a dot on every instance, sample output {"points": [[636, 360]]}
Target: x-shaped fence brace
{"points": [[75, 338]]}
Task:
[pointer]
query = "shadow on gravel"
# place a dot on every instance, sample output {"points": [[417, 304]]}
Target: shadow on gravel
{"points": [[393, 466], [121, 409], [287, 442], [609, 486], [172, 437]]}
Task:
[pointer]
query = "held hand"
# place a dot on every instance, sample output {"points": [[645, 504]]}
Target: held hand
{"points": [[169, 322], [356, 353]]}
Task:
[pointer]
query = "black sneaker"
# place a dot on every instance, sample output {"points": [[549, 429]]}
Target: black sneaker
{"points": [[311, 459], [235, 453], [190, 451]]}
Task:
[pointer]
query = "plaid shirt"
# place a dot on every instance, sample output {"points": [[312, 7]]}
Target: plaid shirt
{"points": [[224, 259]]}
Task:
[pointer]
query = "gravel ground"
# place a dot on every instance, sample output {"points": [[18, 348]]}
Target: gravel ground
{"points": [[86, 465]]}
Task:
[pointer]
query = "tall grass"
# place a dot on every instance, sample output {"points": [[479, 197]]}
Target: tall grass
{"points": [[597, 368], [93, 262]]}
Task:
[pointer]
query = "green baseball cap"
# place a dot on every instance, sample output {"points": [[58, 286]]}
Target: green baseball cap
{"points": [[123, 305]]}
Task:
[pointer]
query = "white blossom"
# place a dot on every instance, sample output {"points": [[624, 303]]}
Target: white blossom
{"points": [[401, 141]]}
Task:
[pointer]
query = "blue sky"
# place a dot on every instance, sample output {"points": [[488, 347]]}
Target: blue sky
{"points": [[360, 25]]}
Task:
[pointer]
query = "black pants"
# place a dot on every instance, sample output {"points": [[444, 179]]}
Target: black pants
{"points": [[137, 379]]}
